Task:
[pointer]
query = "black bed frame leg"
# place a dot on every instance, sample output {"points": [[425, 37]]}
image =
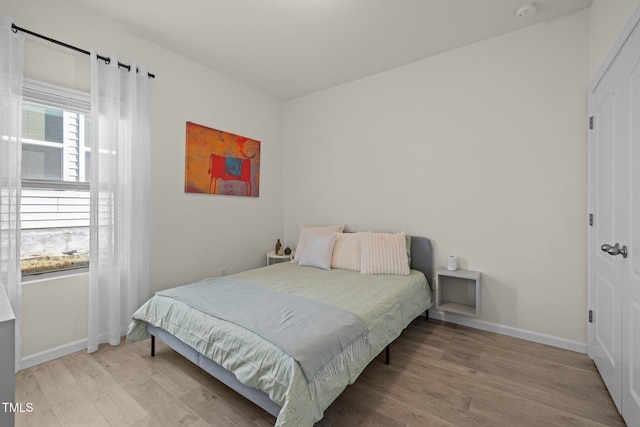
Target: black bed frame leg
{"points": [[153, 345], [426, 315], [386, 352]]}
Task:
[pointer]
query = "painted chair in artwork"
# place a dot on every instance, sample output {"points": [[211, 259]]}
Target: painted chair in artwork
{"points": [[229, 169]]}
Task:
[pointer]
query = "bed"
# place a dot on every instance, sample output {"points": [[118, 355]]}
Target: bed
{"points": [[296, 385]]}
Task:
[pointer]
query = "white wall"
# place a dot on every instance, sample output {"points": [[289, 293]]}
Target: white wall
{"points": [[482, 149], [608, 19], [54, 314], [192, 236]]}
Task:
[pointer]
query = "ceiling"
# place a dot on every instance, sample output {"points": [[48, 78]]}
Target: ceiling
{"points": [[291, 48]]}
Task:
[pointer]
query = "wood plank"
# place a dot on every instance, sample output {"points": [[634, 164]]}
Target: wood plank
{"points": [[30, 392], [115, 404], [242, 404], [214, 410], [510, 409], [437, 396], [72, 407], [158, 402]]}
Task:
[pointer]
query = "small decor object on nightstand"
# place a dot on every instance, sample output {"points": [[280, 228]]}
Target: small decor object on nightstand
{"points": [[452, 263], [278, 247], [287, 251]]}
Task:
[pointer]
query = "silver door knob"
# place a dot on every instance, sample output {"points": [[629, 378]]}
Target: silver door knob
{"points": [[615, 250]]}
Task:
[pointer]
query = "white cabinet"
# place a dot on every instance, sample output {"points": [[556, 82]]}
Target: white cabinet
{"points": [[7, 358], [458, 291]]}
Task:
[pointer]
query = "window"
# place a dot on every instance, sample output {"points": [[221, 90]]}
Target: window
{"points": [[55, 204]]}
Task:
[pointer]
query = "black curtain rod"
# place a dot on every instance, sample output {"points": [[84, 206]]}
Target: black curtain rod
{"points": [[15, 29]]}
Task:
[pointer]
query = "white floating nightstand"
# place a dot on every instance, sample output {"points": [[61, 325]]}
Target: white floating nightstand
{"points": [[458, 291], [273, 258]]}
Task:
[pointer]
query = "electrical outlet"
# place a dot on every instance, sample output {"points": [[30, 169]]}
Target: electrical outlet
{"points": [[222, 272]]}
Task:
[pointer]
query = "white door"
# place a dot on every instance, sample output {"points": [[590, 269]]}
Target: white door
{"points": [[630, 64], [606, 287], [614, 341]]}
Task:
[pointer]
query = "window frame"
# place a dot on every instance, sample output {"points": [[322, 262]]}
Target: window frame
{"points": [[59, 97], [56, 96]]}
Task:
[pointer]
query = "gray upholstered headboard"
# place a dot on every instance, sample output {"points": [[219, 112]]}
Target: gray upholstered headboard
{"points": [[422, 256]]}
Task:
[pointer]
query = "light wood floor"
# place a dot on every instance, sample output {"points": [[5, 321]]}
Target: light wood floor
{"points": [[440, 374]]}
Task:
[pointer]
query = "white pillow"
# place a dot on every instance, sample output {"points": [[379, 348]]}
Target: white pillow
{"points": [[384, 253], [318, 250], [302, 236], [346, 252]]}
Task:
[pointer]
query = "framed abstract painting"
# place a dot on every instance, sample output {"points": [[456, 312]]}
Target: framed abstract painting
{"points": [[218, 162]]}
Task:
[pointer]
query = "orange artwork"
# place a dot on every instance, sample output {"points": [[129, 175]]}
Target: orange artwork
{"points": [[218, 162]]}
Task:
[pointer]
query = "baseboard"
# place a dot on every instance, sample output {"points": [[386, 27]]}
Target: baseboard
{"points": [[471, 322], [64, 350], [51, 354]]}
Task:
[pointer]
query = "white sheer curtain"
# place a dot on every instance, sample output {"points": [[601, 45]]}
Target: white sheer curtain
{"points": [[119, 257], [11, 76]]}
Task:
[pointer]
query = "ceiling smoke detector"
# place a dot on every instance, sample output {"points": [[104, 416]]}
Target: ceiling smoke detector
{"points": [[526, 10]]}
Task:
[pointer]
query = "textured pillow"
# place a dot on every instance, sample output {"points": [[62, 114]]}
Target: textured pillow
{"points": [[302, 236], [346, 252], [384, 253], [318, 250]]}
